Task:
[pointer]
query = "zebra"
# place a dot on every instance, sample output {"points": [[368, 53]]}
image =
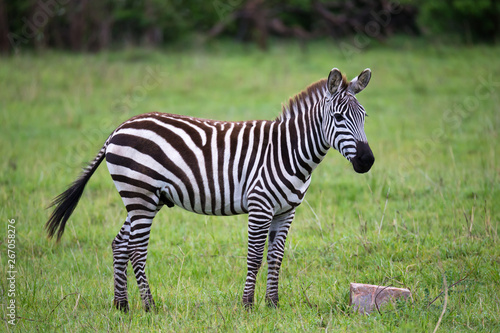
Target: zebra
{"points": [[260, 168]]}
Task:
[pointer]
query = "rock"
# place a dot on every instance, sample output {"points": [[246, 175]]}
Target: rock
{"points": [[365, 298]]}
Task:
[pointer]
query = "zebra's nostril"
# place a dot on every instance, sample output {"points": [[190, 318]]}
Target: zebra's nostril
{"points": [[364, 158], [367, 159]]}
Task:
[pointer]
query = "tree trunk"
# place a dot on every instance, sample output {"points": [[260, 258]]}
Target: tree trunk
{"points": [[4, 29], [77, 25]]}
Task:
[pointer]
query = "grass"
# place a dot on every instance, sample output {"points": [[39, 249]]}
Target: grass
{"points": [[428, 209]]}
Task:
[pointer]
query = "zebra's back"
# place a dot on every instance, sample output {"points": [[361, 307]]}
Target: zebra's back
{"points": [[202, 165]]}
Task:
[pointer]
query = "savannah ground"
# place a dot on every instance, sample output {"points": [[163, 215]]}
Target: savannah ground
{"points": [[425, 217]]}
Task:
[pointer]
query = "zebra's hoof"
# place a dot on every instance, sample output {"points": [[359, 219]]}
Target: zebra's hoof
{"points": [[121, 305], [248, 304], [150, 307], [272, 302]]}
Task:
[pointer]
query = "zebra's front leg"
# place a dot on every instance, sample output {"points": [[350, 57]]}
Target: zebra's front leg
{"points": [[276, 248], [120, 263], [258, 226]]}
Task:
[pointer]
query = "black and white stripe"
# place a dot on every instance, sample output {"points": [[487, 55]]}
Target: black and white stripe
{"points": [[262, 168]]}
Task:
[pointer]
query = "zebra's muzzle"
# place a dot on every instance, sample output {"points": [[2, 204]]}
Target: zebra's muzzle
{"points": [[364, 158]]}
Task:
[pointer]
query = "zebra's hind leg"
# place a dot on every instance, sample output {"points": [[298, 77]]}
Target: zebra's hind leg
{"points": [[120, 263], [141, 221], [258, 225], [276, 248]]}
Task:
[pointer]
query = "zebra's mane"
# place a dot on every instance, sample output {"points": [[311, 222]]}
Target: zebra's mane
{"points": [[314, 92]]}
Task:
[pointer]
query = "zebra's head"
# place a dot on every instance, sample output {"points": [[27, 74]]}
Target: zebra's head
{"points": [[344, 119]]}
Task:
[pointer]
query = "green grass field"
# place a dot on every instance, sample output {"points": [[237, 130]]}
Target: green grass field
{"points": [[427, 212]]}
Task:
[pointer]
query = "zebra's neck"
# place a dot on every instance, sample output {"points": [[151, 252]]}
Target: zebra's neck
{"points": [[304, 101], [300, 124]]}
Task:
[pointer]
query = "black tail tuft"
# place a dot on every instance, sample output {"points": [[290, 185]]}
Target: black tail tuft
{"points": [[67, 201]]}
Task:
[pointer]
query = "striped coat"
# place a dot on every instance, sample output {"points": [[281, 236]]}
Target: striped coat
{"points": [[260, 168]]}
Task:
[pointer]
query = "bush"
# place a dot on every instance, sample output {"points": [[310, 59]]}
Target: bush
{"points": [[473, 20]]}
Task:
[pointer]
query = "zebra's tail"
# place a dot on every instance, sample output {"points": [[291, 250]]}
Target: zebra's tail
{"points": [[67, 201]]}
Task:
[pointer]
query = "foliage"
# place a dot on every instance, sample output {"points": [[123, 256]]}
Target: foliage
{"points": [[473, 20], [95, 25], [80, 24], [428, 208]]}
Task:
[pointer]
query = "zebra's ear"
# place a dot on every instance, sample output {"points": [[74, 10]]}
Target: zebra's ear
{"points": [[334, 80], [360, 82]]}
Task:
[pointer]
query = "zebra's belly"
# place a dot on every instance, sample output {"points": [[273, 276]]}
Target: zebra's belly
{"points": [[206, 202]]}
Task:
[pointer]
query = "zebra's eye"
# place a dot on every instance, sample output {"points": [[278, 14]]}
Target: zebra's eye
{"points": [[338, 117]]}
